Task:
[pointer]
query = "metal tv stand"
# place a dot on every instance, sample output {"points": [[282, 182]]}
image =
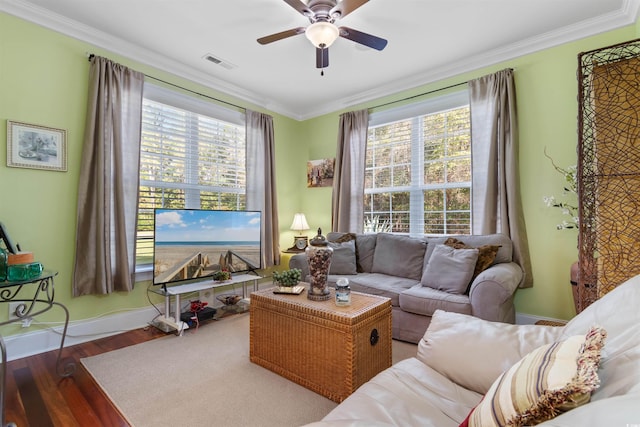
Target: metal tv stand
{"points": [[168, 323]]}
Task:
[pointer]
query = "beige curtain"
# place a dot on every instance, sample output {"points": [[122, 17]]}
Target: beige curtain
{"points": [[347, 204], [108, 187], [261, 182], [496, 203]]}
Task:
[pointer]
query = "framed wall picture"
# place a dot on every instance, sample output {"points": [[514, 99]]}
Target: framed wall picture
{"points": [[320, 172], [36, 147]]}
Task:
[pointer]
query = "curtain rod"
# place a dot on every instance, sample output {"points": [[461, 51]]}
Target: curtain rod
{"points": [[419, 95], [91, 55], [428, 92]]}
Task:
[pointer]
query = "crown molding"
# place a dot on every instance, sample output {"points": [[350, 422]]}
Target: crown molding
{"points": [[45, 18], [626, 15]]}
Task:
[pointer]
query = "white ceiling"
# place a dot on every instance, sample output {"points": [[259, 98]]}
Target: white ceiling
{"points": [[428, 40]]}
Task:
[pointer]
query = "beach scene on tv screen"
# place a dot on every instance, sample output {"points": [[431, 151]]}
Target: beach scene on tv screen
{"points": [[194, 243]]}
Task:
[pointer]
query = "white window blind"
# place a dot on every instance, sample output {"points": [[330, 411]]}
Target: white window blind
{"points": [[418, 168], [189, 158]]}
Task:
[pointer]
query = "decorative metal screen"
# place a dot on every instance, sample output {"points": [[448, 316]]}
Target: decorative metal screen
{"points": [[608, 169]]}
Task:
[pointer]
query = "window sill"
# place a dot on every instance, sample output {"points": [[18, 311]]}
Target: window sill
{"points": [[144, 273]]}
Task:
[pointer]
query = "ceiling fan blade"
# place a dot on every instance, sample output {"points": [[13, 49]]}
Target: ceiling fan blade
{"points": [[300, 7], [345, 7], [322, 57], [281, 35], [363, 38]]}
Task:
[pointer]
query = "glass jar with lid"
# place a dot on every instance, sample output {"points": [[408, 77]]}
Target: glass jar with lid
{"points": [[343, 292], [319, 257]]}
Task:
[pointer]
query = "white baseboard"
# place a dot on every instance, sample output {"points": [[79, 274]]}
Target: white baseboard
{"points": [[40, 341], [48, 338]]}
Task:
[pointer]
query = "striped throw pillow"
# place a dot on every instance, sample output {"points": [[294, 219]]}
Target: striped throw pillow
{"points": [[550, 380]]}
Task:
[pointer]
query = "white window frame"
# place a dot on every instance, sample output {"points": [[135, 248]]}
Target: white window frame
{"points": [[199, 106], [416, 189]]}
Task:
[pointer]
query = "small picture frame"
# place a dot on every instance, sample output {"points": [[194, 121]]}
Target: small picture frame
{"points": [[320, 172], [36, 147]]}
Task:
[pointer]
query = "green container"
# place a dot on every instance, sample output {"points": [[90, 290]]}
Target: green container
{"points": [[3, 265], [22, 272]]}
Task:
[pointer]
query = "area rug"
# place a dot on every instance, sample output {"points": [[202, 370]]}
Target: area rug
{"points": [[205, 378]]}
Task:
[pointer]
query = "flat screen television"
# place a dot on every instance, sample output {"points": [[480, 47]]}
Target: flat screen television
{"points": [[191, 244]]}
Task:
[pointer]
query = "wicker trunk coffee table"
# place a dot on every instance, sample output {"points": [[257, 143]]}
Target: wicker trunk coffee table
{"points": [[328, 349]]}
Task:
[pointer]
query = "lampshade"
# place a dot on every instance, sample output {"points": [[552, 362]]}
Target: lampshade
{"points": [[299, 222], [322, 34]]}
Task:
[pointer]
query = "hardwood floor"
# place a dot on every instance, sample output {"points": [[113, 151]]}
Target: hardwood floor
{"points": [[36, 396]]}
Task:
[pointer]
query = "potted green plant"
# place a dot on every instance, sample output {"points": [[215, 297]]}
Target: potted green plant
{"points": [[221, 275], [287, 278]]}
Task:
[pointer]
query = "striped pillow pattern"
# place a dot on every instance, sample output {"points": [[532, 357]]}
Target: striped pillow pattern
{"points": [[546, 382]]}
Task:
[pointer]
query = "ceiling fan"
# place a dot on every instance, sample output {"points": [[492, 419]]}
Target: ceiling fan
{"points": [[323, 32]]}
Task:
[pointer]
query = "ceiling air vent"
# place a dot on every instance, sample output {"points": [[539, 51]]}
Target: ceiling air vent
{"points": [[219, 61]]}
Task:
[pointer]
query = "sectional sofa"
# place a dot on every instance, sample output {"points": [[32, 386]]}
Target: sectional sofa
{"points": [[472, 275], [471, 372]]}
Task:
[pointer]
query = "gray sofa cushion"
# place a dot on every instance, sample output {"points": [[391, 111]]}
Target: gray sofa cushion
{"points": [[486, 254], [399, 254], [343, 260], [380, 284], [425, 301], [505, 253], [450, 270], [365, 248]]}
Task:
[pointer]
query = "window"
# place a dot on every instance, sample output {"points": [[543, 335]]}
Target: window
{"points": [[192, 155], [418, 168]]}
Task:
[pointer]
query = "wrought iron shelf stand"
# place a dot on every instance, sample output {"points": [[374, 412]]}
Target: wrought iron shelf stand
{"points": [[42, 301]]}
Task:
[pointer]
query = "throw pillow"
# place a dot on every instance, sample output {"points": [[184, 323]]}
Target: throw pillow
{"points": [[486, 254], [549, 380], [496, 347], [449, 269], [346, 237], [343, 260], [398, 256]]}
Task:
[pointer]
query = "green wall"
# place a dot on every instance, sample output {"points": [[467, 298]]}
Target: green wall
{"points": [[43, 80], [547, 93]]}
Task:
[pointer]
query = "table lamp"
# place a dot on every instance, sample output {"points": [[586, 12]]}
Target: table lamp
{"points": [[299, 224]]}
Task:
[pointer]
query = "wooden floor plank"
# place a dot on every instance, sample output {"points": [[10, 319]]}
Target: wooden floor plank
{"points": [[47, 378], [102, 407], [84, 413], [32, 399], [14, 411], [36, 395]]}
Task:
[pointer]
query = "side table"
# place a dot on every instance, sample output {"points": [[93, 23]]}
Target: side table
{"points": [[42, 301]]}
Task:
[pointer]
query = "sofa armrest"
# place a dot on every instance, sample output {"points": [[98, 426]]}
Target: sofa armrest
{"points": [[616, 411], [300, 261], [473, 352], [491, 293]]}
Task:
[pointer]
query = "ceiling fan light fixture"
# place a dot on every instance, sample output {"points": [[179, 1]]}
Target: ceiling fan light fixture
{"points": [[322, 34]]}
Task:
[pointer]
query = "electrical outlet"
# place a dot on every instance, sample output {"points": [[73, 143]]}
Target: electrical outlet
{"points": [[12, 309]]}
